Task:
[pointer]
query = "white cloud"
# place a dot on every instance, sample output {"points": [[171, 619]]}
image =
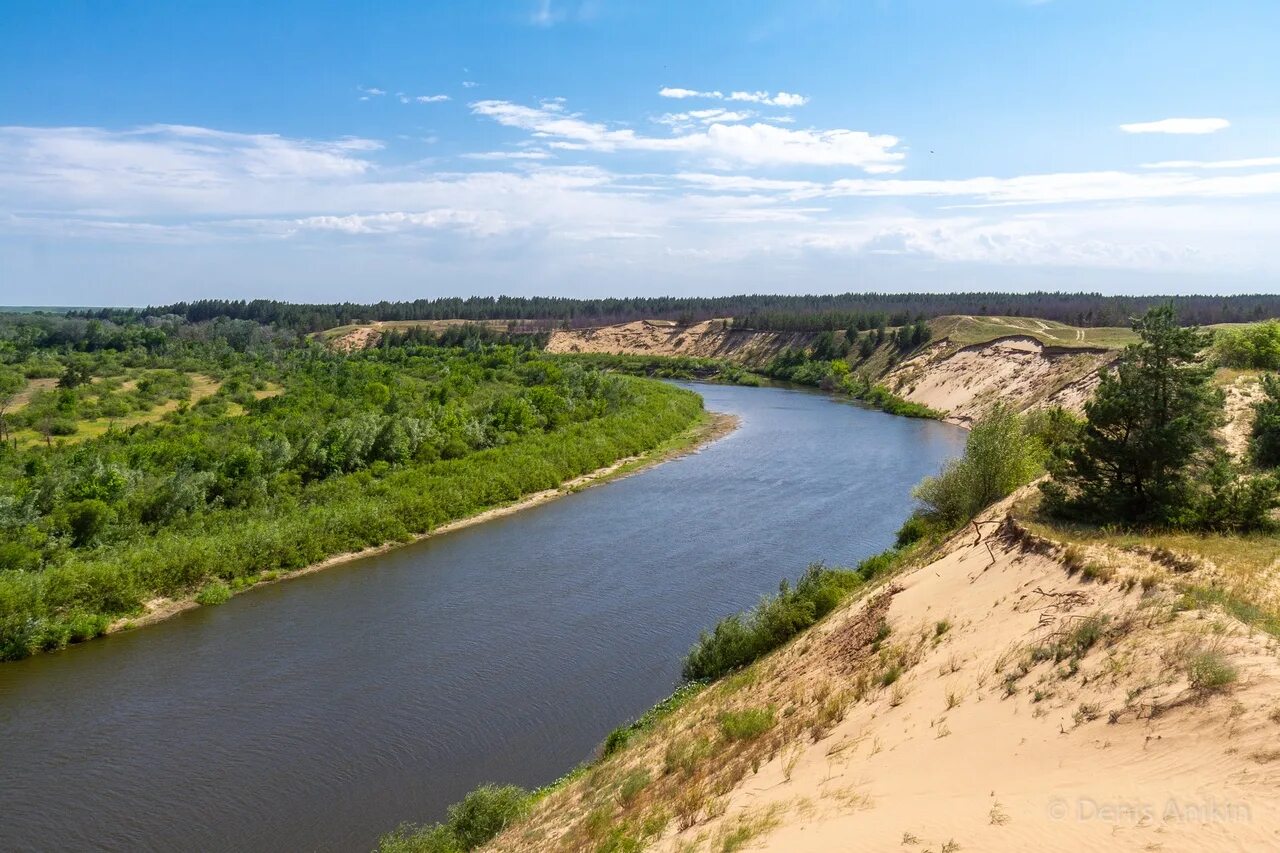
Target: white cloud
{"points": [[367, 92], [227, 197], [756, 144], [711, 116], [1248, 163], [1178, 125], [782, 99], [431, 99], [673, 92], [1068, 187], [476, 223], [508, 155], [469, 84]]}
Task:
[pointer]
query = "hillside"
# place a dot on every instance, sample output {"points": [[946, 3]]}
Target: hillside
{"points": [[1020, 371], [709, 339], [1011, 692], [969, 363]]}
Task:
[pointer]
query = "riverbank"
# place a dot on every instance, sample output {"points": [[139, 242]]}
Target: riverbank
{"points": [[867, 725], [709, 427]]}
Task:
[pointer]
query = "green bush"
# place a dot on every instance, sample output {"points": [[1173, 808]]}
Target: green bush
{"points": [[1210, 671], [1256, 346], [470, 824], [1000, 455], [213, 593], [739, 639]]}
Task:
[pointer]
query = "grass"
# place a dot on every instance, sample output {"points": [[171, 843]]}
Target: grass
{"points": [[1245, 560], [1209, 671], [747, 724], [201, 386], [966, 331], [213, 593]]}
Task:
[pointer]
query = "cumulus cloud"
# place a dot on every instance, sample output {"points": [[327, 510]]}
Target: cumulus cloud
{"points": [[756, 144], [675, 92], [1178, 126], [782, 99], [173, 185]]}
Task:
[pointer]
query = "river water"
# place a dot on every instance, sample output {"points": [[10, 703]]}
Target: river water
{"points": [[318, 713]]}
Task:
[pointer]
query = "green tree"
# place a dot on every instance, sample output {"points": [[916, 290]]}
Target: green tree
{"points": [[1000, 456], [1264, 444], [11, 382], [1149, 429], [86, 519]]}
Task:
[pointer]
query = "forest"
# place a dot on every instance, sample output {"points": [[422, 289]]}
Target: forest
{"points": [[142, 461], [807, 312]]}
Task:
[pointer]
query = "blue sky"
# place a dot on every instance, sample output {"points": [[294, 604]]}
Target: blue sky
{"points": [[327, 150]]}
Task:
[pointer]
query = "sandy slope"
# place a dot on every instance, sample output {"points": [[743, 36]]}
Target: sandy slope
{"points": [[1019, 371], [980, 744], [1241, 395], [709, 339], [1174, 771]]}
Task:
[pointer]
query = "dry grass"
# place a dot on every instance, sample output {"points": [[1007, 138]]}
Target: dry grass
{"points": [[966, 331]]}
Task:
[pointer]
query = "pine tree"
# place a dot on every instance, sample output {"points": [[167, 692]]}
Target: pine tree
{"points": [[1150, 429], [1265, 441]]}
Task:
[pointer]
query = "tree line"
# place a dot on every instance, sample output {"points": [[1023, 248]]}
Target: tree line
{"points": [[809, 312]]}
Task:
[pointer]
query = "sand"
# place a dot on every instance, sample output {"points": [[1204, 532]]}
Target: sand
{"points": [[1122, 755], [1019, 371], [708, 339]]}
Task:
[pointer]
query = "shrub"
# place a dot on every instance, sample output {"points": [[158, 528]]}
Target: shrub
{"points": [[1256, 346], [1230, 500], [1210, 671], [999, 456], [213, 593], [471, 823], [1264, 441], [739, 639], [485, 812], [918, 526]]}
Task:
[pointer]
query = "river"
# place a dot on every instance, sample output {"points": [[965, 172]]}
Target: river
{"points": [[318, 713]]}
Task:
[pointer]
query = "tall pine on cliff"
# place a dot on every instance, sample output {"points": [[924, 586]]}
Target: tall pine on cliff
{"points": [[1150, 431]]}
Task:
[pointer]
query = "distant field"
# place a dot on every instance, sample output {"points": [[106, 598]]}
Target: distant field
{"points": [[47, 309], [966, 330]]}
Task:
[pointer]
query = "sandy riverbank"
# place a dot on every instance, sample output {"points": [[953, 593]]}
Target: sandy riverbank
{"points": [[713, 426]]}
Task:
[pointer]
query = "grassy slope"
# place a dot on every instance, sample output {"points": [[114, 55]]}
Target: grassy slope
{"points": [[968, 330]]}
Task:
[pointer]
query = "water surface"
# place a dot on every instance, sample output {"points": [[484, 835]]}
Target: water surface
{"points": [[318, 713]]}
